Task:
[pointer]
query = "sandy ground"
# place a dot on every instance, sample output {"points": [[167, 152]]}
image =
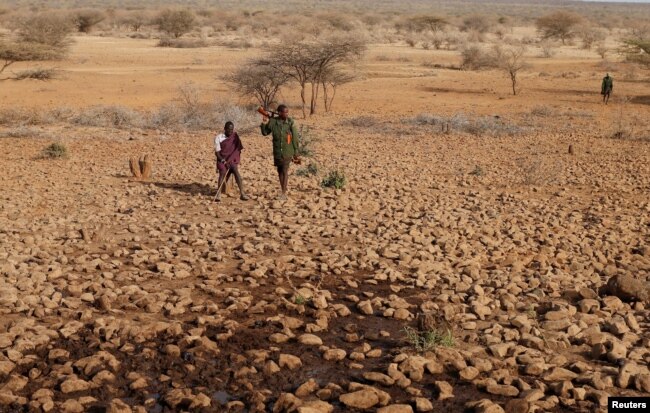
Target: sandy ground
{"points": [[120, 295]]}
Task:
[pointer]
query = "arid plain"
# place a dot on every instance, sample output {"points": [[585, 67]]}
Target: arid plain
{"points": [[460, 268]]}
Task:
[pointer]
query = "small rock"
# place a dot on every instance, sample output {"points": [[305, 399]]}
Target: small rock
{"points": [[290, 361], [74, 385], [423, 405], [502, 390], [445, 390], [379, 378], [365, 307], [559, 374], [628, 288], [307, 388], [362, 399], [334, 354], [396, 408], [310, 340]]}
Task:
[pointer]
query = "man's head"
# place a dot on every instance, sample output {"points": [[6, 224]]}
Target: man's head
{"points": [[607, 75], [229, 128], [283, 112]]}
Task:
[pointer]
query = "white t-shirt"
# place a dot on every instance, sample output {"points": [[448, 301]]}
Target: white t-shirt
{"points": [[217, 141]]}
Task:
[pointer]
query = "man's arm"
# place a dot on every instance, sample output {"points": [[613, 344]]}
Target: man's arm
{"points": [[265, 127], [295, 141]]}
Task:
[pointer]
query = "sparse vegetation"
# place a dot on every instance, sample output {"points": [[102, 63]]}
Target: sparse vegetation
{"points": [[111, 116], [334, 179], [477, 171], [46, 29], [511, 61], [307, 141], [559, 25], [258, 80], [182, 43], [423, 341], [55, 151], [85, 20], [363, 121], [473, 125], [309, 170], [637, 51], [38, 73], [176, 22]]}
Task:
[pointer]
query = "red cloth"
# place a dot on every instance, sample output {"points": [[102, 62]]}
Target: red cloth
{"points": [[231, 149]]}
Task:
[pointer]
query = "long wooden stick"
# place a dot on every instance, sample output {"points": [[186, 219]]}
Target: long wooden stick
{"points": [[225, 178]]}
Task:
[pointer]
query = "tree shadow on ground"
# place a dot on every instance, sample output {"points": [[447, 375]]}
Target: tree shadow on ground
{"points": [[641, 100]]}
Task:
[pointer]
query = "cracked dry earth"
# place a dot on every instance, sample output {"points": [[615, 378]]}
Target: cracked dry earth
{"points": [[124, 296]]}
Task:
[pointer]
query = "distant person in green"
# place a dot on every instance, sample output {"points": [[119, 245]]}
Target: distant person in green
{"points": [[607, 87], [285, 144]]}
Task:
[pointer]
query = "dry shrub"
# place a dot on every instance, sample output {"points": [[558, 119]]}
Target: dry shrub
{"points": [[55, 151], [476, 23], [363, 121], [470, 124], [542, 111], [189, 111], [538, 169], [475, 57], [38, 73], [338, 21], [111, 116], [23, 117], [85, 20], [590, 35], [46, 29], [176, 22], [559, 25], [20, 132], [547, 49], [182, 43], [235, 43]]}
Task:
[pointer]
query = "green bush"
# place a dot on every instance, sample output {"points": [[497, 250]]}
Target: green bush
{"points": [[306, 142], [310, 170], [55, 151], [428, 340], [334, 179]]}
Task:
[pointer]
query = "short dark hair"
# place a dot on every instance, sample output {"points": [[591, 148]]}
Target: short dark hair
{"points": [[228, 123], [281, 108]]}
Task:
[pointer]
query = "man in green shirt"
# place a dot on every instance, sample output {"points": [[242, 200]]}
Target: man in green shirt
{"points": [[285, 144], [606, 87]]}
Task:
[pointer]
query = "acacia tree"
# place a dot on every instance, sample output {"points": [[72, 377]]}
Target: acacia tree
{"points": [[40, 37], [331, 80], [307, 62], [428, 22], [559, 25], [327, 55], [291, 60], [637, 51], [176, 22], [258, 80], [85, 20], [511, 61]]}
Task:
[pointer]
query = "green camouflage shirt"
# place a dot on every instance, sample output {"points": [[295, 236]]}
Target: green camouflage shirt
{"points": [[280, 129]]}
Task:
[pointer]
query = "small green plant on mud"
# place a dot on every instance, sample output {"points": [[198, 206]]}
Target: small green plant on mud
{"points": [[310, 170], [299, 299], [428, 340], [334, 179]]}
